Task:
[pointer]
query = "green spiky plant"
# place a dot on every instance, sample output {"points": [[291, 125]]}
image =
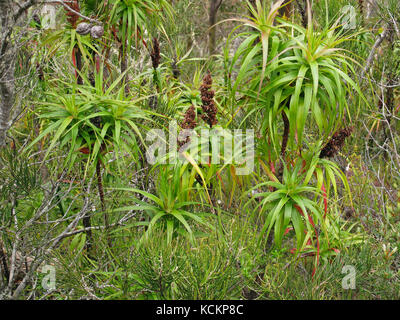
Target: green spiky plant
{"points": [[169, 206], [92, 122], [303, 77], [300, 202], [79, 47], [300, 76], [131, 18]]}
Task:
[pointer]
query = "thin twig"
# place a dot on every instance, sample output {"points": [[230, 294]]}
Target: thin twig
{"points": [[376, 45], [73, 11]]}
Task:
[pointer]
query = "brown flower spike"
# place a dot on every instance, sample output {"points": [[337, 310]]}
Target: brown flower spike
{"points": [[155, 54], [72, 17], [189, 122], [336, 143], [207, 97]]}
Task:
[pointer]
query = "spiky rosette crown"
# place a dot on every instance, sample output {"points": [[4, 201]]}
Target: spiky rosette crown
{"points": [[336, 143], [207, 97]]}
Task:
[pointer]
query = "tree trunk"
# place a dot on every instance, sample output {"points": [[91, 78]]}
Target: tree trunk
{"points": [[3, 261], [214, 6], [7, 94], [7, 68], [10, 14]]}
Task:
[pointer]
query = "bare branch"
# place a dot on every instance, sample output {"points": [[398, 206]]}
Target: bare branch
{"points": [[376, 45], [73, 11]]}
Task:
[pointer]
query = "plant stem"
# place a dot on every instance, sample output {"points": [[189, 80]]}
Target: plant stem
{"points": [[87, 225], [285, 134], [78, 60], [101, 195], [4, 262], [285, 138], [123, 57]]}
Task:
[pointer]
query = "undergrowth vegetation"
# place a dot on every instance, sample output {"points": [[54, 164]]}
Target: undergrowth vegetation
{"points": [[144, 162]]}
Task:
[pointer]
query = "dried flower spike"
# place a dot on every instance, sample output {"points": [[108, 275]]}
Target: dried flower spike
{"points": [[72, 17], [207, 97], [155, 54], [189, 123], [336, 143]]}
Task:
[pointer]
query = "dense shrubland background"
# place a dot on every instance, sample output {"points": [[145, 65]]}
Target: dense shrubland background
{"points": [[79, 93]]}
